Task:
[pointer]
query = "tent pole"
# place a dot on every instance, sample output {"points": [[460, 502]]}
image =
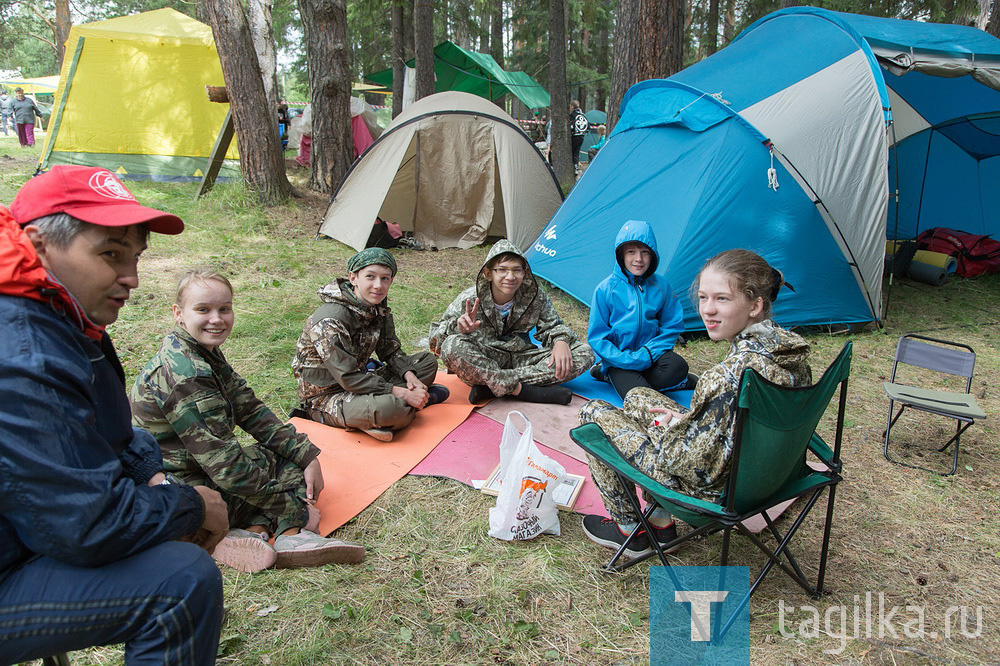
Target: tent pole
{"points": [[895, 225]]}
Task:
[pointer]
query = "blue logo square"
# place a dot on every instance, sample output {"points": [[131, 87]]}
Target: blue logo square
{"points": [[696, 615]]}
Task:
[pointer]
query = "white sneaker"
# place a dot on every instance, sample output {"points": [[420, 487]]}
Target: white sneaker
{"points": [[306, 549], [244, 550]]}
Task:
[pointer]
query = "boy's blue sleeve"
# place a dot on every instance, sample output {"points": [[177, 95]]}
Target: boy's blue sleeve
{"points": [[599, 337], [671, 318]]}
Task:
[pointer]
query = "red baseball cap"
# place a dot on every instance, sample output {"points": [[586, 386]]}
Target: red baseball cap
{"points": [[91, 194]]}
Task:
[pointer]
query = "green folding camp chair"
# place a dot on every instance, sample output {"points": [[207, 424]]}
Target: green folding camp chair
{"points": [[775, 426], [953, 358]]}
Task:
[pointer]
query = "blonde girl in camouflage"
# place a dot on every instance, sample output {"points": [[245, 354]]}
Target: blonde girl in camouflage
{"points": [[191, 400], [689, 449]]}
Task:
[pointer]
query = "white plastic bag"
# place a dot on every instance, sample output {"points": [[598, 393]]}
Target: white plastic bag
{"points": [[524, 507]]}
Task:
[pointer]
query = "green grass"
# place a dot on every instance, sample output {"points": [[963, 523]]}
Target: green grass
{"points": [[436, 589]]}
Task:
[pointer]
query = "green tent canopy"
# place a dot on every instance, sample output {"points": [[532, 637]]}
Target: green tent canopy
{"points": [[476, 73]]}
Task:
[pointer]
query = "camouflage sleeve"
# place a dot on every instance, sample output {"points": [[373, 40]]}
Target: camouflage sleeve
{"points": [[331, 340], [254, 417], [197, 411], [550, 327], [447, 324]]}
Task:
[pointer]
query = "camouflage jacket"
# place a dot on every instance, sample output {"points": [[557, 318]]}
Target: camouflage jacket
{"points": [[697, 449], [532, 309], [339, 339], [191, 400]]}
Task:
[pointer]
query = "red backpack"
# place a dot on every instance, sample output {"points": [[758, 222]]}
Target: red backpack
{"points": [[977, 255]]}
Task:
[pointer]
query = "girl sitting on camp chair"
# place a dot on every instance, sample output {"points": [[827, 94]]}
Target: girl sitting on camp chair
{"points": [[689, 450]]}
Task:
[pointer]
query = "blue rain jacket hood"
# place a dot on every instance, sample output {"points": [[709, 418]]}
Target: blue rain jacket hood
{"points": [[634, 320], [636, 231]]}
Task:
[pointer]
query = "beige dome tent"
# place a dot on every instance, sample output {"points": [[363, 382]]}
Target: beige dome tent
{"points": [[454, 169]]}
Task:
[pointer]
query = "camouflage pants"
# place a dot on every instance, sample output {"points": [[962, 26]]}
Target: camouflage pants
{"points": [[276, 510], [639, 442], [366, 410], [476, 363]]}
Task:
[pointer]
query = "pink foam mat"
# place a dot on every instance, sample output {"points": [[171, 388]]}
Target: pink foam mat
{"points": [[472, 451]]}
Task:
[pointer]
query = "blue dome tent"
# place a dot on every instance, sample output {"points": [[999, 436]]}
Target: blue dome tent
{"points": [[790, 142]]}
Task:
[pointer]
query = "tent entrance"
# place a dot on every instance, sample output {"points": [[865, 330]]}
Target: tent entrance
{"points": [[446, 188]]}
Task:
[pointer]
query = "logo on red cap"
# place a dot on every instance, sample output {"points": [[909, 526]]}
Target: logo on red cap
{"points": [[105, 184]]}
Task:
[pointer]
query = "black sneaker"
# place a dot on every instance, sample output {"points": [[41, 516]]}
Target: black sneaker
{"points": [[436, 394], [480, 393], [605, 532], [597, 372], [665, 535]]}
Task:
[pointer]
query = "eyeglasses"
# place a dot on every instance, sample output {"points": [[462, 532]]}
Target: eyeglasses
{"points": [[504, 272]]}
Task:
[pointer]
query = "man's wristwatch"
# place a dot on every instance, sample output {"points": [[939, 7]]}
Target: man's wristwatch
{"points": [[170, 480]]}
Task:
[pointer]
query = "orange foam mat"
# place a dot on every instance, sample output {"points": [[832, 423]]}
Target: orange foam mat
{"points": [[357, 469]]}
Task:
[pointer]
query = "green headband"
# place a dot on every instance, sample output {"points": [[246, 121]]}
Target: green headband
{"points": [[369, 256]]}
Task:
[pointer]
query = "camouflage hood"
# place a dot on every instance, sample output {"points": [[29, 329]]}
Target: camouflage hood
{"points": [[789, 351]]}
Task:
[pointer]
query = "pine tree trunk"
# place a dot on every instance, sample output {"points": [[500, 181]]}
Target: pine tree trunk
{"points": [[712, 28], [496, 38], [256, 127], [729, 27], [63, 23], [259, 16], [562, 161], [603, 67], [423, 44], [993, 25], [649, 44], [496, 32], [325, 25], [398, 58], [625, 61]]}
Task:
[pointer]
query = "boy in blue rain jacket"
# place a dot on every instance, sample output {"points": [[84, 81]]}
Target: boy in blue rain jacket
{"points": [[635, 318]]}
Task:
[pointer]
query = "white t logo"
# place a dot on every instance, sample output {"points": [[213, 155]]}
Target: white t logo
{"points": [[701, 611]]}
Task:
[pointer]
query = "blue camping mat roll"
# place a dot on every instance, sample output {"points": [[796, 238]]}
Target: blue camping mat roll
{"points": [[927, 273]]}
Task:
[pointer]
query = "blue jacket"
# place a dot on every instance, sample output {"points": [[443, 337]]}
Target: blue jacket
{"points": [[73, 471], [634, 320]]}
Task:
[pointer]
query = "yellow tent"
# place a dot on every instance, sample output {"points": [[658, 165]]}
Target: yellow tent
{"points": [[132, 98], [42, 84]]}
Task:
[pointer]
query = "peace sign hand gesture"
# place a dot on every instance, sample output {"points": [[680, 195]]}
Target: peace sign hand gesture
{"points": [[468, 323]]}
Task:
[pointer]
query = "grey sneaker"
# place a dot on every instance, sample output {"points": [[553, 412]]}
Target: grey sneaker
{"points": [[306, 549], [244, 550]]}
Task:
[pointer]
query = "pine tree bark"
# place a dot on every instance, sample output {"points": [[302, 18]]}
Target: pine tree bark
{"points": [[712, 28], [260, 18], [993, 25], [398, 58], [649, 44], [256, 128], [496, 32], [63, 23], [603, 67], [423, 44], [562, 161], [325, 24]]}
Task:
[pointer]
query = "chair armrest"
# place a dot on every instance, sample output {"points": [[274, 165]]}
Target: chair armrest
{"points": [[823, 452]]}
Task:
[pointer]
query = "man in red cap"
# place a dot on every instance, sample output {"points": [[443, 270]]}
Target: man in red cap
{"points": [[99, 546]]}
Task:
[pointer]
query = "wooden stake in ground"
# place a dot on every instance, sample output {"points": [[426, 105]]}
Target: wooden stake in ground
{"points": [[256, 122]]}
